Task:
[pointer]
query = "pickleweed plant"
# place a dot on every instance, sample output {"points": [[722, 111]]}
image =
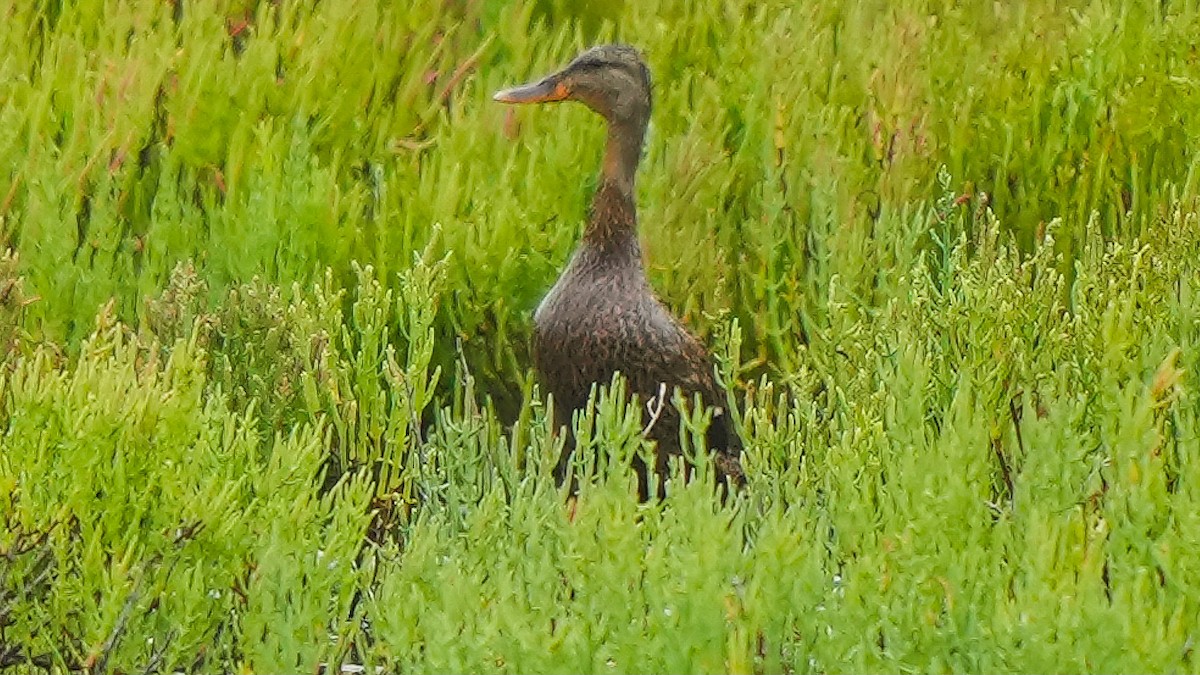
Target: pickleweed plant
{"points": [[266, 296]]}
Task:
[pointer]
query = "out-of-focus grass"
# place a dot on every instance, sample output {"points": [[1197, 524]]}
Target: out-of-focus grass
{"points": [[265, 401], [788, 146]]}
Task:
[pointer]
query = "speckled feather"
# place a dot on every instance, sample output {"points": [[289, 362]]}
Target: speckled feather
{"points": [[602, 316]]}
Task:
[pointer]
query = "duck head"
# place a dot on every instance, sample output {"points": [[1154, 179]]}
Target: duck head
{"points": [[612, 80]]}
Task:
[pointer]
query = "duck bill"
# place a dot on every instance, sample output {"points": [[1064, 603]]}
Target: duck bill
{"points": [[547, 91]]}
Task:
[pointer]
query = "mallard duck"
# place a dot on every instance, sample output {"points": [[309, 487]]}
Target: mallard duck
{"points": [[602, 316]]}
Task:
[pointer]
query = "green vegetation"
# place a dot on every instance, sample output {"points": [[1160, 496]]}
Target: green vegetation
{"points": [[265, 400]]}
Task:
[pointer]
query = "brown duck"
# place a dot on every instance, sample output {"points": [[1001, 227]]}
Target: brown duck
{"points": [[602, 315]]}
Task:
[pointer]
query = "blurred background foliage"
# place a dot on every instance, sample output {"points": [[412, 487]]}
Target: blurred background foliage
{"points": [[272, 140]]}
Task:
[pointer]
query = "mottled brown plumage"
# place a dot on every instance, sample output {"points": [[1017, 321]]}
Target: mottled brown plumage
{"points": [[602, 316]]}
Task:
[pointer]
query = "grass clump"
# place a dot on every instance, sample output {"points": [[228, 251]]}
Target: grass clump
{"points": [[991, 473], [265, 402]]}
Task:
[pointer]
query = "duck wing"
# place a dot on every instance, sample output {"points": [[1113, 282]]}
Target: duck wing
{"points": [[673, 357]]}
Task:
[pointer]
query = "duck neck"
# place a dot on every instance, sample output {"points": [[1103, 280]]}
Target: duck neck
{"points": [[613, 222]]}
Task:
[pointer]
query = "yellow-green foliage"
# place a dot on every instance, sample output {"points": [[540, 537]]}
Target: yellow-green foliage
{"points": [[265, 400]]}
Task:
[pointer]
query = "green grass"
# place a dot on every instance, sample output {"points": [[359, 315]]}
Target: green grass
{"points": [[266, 400]]}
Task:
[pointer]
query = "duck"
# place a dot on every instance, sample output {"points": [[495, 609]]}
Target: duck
{"points": [[602, 316]]}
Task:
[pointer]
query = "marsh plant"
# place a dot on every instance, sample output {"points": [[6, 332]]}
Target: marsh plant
{"points": [[266, 402]]}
